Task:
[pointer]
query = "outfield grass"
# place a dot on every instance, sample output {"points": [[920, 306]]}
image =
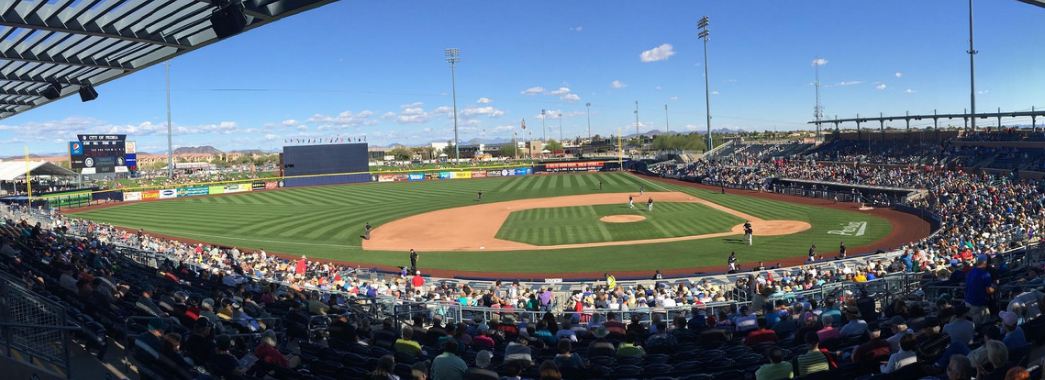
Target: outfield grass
{"points": [[580, 224], [326, 222]]}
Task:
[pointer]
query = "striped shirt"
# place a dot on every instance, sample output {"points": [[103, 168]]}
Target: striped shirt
{"points": [[811, 362]]}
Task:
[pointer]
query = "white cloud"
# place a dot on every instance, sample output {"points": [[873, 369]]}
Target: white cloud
{"points": [[981, 92], [289, 123], [69, 127], [343, 119], [849, 83], [443, 110], [898, 74], [714, 92], [484, 100], [880, 86], [674, 98], [658, 88], [533, 90], [819, 62], [577, 28], [909, 91], [389, 115], [659, 53], [617, 84], [571, 97], [482, 111], [560, 91]]}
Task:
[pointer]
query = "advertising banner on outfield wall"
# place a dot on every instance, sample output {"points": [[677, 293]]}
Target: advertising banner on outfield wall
{"points": [[391, 178], [571, 166], [237, 188], [493, 173], [478, 174], [413, 177], [216, 189], [193, 191], [168, 193], [131, 196], [446, 175], [523, 171], [257, 185], [271, 185], [461, 175], [149, 195], [507, 172]]}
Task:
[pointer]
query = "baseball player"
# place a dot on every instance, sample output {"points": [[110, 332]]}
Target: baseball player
{"points": [[732, 262], [366, 231], [748, 231], [600, 184], [641, 189], [479, 196], [841, 250], [649, 204], [413, 260], [631, 201], [812, 253]]}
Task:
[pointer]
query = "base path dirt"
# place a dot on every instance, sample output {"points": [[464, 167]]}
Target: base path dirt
{"points": [[474, 228]]}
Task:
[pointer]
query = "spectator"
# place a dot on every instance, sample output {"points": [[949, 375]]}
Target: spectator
{"points": [[628, 348], [776, 369], [873, 352], [385, 369], [960, 368], [906, 355], [406, 345], [978, 287], [549, 371], [1014, 338], [855, 327], [761, 335], [448, 366], [566, 358], [812, 361], [960, 328]]}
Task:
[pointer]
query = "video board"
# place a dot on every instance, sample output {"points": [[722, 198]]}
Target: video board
{"points": [[93, 154]]}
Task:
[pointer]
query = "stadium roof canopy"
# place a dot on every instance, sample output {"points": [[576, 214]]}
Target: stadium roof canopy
{"points": [[1040, 3], [12, 170], [50, 49]]}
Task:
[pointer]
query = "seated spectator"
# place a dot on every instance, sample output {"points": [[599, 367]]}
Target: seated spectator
{"points": [[960, 368], [566, 332], [601, 346], [406, 345], [566, 358], [636, 327], [776, 369], [200, 345], [811, 361], [872, 353], [518, 351], [1014, 338], [223, 364], [960, 328], [628, 348], [761, 335], [385, 369], [855, 327], [906, 355], [615, 327], [828, 333], [481, 369], [549, 371], [900, 330], [448, 366], [995, 362]]}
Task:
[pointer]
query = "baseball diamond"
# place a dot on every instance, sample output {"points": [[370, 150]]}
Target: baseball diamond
{"points": [[535, 225]]}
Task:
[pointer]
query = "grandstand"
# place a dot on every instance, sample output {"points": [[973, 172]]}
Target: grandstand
{"points": [[84, 298]]}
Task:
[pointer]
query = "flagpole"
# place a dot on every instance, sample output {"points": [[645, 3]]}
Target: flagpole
{"points": [[28, 178]]}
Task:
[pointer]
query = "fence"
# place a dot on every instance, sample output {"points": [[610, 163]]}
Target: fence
{"points": [[34, 329]]}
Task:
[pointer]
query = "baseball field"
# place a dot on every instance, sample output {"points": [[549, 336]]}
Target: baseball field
{"points": [[565, 225]]}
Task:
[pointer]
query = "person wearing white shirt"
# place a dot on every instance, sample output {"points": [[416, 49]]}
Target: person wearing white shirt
{"points": [[906, 356]]}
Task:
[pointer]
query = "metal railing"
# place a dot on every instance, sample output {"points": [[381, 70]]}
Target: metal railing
{"points": [[33, 328]]}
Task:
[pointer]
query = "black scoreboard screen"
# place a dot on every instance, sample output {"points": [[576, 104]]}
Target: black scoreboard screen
{"points": [[93, 154]]}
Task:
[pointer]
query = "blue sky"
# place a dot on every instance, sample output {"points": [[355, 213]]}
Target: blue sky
{"points": [[376, 68]]}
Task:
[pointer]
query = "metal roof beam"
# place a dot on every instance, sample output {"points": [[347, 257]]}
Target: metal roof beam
{"points": [[19, 92], [17, 102], [38, 79], [11, 54], [54, 24]]}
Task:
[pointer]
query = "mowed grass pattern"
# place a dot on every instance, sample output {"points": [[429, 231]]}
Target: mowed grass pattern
{"points": [[326, 222], [580, 224]]}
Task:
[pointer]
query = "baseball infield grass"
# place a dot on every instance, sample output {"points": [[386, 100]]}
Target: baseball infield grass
{"points": [[326, 222], [580, 224]]}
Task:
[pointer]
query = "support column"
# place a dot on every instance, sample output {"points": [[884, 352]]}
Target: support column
{"points": [[881, 125], [1033, 120], [999, 118], [907, 119], [936, 121], [965, 111]]}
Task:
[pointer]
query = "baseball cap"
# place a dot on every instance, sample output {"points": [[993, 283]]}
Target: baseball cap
{"points": [[1008, 318]]}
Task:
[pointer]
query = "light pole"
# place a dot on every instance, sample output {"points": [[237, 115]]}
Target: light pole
{"points": [[560, 127], [667, 126], [515, 145], [703, 26], [170, 138], [452, 56], [588, 106], [972, 72], [636, 117], [818, 111], [544, 129]]}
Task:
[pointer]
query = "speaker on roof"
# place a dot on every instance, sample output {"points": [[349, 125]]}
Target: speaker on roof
{"points": [[87, 93], [52, 91], [229, 19]]}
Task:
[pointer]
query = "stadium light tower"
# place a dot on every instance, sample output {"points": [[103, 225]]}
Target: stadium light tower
{"points": [[637, 119], [588, 106], [667, 126], [170, 138], [560, 127], [544, 129], [818, 110], [972, 72], [452, 57], [702, 24]]}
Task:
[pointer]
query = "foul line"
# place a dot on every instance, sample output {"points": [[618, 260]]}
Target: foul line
{"points": [[189, 235]]}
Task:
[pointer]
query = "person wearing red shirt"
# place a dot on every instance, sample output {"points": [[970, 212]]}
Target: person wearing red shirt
{"points": [[417, 281], [762, 335]]}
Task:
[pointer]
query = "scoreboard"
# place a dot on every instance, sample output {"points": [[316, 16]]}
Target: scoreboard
{"points": [[93, 154]]}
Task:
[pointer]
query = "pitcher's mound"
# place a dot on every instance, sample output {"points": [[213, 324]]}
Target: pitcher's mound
{"points": [[622, 218]]}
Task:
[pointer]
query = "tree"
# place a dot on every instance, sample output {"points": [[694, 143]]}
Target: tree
{"points": [[553, 145], [401, 153], [679, 142], [507, 150]]}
